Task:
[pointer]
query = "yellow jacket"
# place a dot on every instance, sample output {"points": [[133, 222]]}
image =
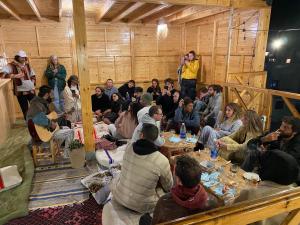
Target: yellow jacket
{"points": [[190, 70]]}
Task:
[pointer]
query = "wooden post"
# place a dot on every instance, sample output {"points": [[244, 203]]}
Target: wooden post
{"points": [[83, 72]]}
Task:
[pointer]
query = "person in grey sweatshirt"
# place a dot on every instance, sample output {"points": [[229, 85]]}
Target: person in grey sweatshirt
{"points": [[155, 115]]}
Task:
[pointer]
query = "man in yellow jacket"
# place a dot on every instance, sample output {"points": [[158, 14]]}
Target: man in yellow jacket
{"points": [[190, 69]]}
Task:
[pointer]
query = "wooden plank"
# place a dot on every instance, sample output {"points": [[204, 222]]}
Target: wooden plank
{"points": [[38, 40], [105, 7], [10, 11], [60, 10], [293, 218], [150, 12], [185, 13], [291, 107], [34, 9], [165, 13], [213, 53], [240, 98], [128, 11], [229, 44], [261, 39], [83, 72]]}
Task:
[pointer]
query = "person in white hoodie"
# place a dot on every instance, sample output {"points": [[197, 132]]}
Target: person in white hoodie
{"points": [[155, 114], [146, 101]]}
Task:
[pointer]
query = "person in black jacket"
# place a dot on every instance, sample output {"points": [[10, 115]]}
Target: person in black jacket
{"points": [[286, 138], [100, 102], [154, 89], [166, 98], [127, 90], [117, 105]]}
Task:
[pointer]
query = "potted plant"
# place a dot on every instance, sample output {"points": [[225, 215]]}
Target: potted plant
{"points": [[77, 154]]}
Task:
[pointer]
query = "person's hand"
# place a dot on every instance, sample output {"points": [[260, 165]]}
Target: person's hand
{"points": [[169, 93], [181, 102], [75, 95], [271, 137], [221, 144], [164, 92], [55, 70], [98, 112], [53, 125], [182, 60], [18, 76]]}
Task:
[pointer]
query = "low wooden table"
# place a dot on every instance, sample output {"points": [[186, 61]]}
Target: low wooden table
{"points": [[226, 177], [170, 149]]}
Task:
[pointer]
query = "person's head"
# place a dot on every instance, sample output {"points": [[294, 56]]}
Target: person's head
{"points": [[156, 113], [212, 90], [279, 167], [187, 171], [169, 83], [45, 92], [252, 122], [131, 83], [289, 127], [146, 99], [192, 55], [138, 91], [133, 108], [149, 132], [115, 97], [73, 81], [176, 96], [53, 60], [232, 111], [188, 104], [21, 57], [203, 92], [99, 91], [155, 83], [109, 83]]}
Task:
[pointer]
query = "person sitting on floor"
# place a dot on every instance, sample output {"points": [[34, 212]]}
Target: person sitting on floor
{"points": [[110, 88], [138, 92], [167, 119], [146, 101], [144, 169], [127, 90], [286, 138], [126, 123], [227, 125], [186, 114], [201, 102], [166, 97], [100, 102], [72, 99], [234, 146], [209, 115], [278, 172], [37, 113], [187, 197], [154, 89], [117, 104], [155, 114]]}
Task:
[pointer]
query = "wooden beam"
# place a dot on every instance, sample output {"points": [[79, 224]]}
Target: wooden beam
{"points": [[34, 9], [155, 10], [293, 218], [83, 72], [240, 98], [165, 13], [291, 107], [105, 7], [60, 10], [185, 13], [229, 44], [10, 11], [128, 11], [201, 14]]}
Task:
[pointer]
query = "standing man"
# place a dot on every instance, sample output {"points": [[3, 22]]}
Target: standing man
{"points": [[110, 89], [190, 69], [23, 77]]}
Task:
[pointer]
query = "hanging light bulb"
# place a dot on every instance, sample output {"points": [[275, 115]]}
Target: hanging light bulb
{"points": [[162, 29]]}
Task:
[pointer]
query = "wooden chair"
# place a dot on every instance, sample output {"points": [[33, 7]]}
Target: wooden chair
{"points": [[39, 147]]}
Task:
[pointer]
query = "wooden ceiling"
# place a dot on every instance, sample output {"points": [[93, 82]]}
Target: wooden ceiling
{"points": [[112, 10]]}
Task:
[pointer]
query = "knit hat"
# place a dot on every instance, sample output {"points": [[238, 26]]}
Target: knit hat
{"points": [[147, 99], [22, 53], [279, 167]]}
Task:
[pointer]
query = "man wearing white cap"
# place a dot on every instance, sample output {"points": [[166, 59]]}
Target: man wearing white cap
{"points": [[23, 78]]}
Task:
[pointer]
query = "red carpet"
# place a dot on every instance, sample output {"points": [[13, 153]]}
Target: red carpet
{"points": [[87, 213]]}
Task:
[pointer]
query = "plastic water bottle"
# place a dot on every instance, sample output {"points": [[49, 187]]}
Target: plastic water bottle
{"points": [[182, 133], [213, 154]]}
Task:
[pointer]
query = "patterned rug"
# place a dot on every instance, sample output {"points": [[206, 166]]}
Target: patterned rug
{"points": [[58, 185], [86, 213]]}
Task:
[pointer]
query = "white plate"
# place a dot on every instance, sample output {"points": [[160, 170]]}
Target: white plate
{"points": [[251, 176]]}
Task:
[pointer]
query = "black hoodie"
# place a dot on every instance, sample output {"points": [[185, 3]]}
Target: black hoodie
{"points": [[144, 147]]}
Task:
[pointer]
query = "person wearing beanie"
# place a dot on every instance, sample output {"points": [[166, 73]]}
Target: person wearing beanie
{"points": [[146, 101], [278, 172]]}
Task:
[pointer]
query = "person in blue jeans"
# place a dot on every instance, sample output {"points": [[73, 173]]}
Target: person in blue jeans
{"points": [[56, 75]]}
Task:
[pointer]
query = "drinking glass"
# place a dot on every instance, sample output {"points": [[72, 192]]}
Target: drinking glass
{"points": [[234, 169]]}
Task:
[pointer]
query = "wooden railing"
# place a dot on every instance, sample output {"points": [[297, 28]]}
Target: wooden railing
{"points": [[250, 211]]}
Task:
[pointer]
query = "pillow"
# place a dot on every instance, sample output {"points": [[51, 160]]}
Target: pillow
{"points": [[9, 177]]}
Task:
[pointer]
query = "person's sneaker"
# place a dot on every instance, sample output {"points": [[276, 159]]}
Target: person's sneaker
{"points": [[199, 146]]}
